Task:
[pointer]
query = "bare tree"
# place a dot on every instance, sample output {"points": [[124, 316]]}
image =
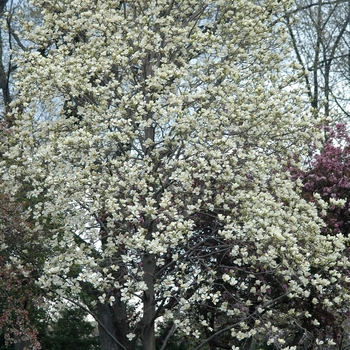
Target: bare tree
{"points": [[319, 33], [9, 41]]}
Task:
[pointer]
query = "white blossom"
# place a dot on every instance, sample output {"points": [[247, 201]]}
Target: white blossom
{"points": [[169, 185]]}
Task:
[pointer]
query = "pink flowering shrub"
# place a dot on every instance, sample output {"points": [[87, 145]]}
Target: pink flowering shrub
{"points": [[327, 177]]}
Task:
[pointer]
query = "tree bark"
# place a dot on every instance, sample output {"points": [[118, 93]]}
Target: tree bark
{"points": [[21, 345], [148, 333], [105, 316]]}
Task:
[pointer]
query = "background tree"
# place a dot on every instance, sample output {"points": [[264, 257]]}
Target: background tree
{"points": [[71, 331], [10, 43], [153, 137], [326, 177], [320, 37], [19, 301]]}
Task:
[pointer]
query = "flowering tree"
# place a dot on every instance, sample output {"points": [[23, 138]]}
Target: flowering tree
{"points": [[155, 136], [325, 178]]}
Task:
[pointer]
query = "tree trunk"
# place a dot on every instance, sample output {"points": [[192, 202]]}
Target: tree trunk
{"points": [[121, 326], [106, 328], [148, 334], [113, 327], [21, 345]]}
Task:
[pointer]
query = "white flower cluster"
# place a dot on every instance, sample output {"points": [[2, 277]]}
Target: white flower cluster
{"points": [[167, 185]]}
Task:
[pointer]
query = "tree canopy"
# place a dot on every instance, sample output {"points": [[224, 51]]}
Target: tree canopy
{"points": [[154, 138]]}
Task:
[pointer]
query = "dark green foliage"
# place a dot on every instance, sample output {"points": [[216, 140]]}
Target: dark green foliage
{"points": [[71, 332]]}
